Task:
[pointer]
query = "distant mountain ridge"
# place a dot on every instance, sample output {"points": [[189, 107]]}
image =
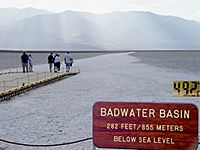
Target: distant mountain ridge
{"points": [[11, 15], [88, 31]]}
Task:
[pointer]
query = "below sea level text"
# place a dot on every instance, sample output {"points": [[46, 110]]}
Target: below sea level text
{"points": [[143, 140]]}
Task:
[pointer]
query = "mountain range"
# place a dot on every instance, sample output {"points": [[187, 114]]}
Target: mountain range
{"points": [[31, 28]]}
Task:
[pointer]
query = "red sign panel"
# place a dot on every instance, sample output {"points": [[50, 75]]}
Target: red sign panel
{"points": [[145, 125]]}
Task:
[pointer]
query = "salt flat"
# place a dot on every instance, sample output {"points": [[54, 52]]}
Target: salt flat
{"points": [[62, 111]]}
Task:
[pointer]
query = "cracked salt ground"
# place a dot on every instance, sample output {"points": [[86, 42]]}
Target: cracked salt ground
{"points": [[62, 111]]}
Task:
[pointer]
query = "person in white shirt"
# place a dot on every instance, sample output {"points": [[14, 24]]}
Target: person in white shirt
{"points": [[68, 61], [57, 61], [30, 63]]}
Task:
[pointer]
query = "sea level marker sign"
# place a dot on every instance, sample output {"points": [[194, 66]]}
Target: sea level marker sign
{"points": [[145, 125]]}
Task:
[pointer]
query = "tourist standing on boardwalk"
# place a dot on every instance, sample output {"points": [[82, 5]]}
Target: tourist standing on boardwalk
{"points": [[57, 62], [55, 67], [50, 61], [30, 63], [24, 60], [68, 61]]}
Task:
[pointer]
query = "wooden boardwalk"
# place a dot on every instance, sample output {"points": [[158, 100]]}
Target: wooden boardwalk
{"points": [[14, 83]]}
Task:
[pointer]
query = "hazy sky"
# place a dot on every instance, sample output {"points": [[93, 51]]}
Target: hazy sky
{"points": [[189, 9]]}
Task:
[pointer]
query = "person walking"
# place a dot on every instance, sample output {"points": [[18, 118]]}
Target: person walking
{"points": [[68, 61], [50, 61], [24, 61], [30, 63], [57, 62]]}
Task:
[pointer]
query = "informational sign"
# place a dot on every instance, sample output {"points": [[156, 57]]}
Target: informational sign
{"points": [[186, 88], [145, 125]]}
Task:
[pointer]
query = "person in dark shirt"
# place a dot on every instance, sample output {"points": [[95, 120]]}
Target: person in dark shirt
{"points": [[50, 61], [24, 60]]}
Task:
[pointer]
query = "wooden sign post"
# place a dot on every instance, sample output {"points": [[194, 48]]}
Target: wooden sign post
{"points": [[145, 125]]}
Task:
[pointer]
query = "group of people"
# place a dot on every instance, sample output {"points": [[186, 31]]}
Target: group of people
{"points": [[56, 62], [27, 62]]}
